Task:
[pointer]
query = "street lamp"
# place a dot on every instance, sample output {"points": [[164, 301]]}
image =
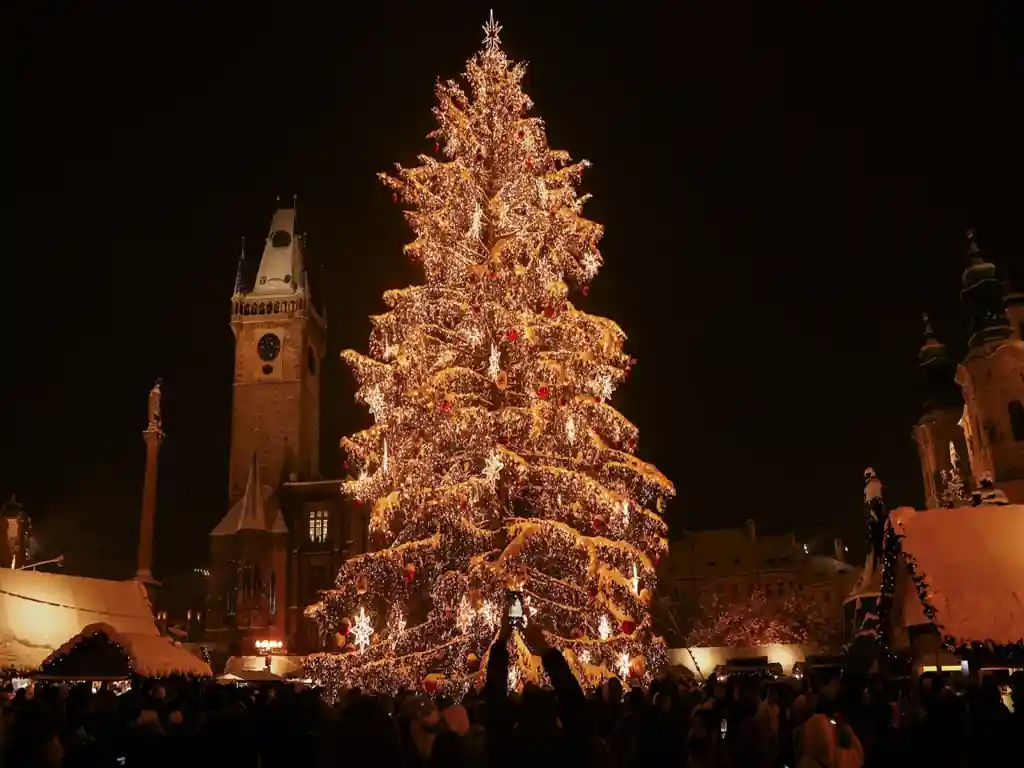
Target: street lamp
{"points": [[267, 648]]}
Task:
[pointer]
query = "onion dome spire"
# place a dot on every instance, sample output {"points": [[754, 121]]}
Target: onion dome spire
{"points": [[984, 295], [938, 385], [932, 348]]}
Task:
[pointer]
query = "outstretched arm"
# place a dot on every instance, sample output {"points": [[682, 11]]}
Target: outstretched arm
{"points": [[499, 715], [571, 702]]}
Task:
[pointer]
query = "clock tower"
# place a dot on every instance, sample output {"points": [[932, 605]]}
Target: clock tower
{"points": [[279, 343]]}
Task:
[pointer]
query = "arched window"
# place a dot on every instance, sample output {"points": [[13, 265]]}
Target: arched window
{"points": [[273, 593], [1016, 419]]}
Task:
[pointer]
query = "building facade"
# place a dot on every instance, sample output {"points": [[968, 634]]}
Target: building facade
{"points": [[287, 529], [729, 565], [973, 413]]}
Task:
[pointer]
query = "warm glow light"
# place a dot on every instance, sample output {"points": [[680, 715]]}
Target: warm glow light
{"points": [[622, 665], [269, 645], [514, 677], [495, 457]]}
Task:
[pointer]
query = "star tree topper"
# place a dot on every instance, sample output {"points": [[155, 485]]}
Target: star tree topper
{"points": [[491, 30]]}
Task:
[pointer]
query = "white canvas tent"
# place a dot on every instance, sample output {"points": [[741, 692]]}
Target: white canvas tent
{"points": [[44, 614]]}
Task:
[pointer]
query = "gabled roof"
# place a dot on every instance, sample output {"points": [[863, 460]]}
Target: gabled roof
{"points": [[971, 559], [43, 612], [257, 510]]}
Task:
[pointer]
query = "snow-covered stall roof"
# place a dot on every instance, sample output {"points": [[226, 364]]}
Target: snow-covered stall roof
{"points": [[41, 613], [972, 561]]}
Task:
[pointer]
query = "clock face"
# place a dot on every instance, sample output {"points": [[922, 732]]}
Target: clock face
{"points": [[269, 347], [280, 239]]}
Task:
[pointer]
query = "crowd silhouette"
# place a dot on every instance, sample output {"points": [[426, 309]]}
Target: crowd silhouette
{"points": [[830, 721]]}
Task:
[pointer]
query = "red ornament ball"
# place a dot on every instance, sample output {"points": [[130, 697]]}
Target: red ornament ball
{"points": [[394, 198], [473, 662], [410, 573], [494, 275], [542, 392], [529, 163], [586, 290], [599, 523], [549, 312], [430, 684], [436, 146], [445, 407], [345, 465], [357, 501], [628, 626], [512, 335]]}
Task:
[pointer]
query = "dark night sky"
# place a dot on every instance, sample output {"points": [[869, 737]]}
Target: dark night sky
{"points": [[783, 195]]}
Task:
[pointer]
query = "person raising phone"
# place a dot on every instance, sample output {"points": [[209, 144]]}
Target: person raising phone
{"points": [[518, 736]]}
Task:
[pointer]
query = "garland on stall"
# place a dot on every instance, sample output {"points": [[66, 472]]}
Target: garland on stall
{"points": [[892, 554]]}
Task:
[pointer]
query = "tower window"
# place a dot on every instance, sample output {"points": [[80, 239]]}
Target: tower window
{"points": [[273, 593], [1016, 419], [318, 526]]}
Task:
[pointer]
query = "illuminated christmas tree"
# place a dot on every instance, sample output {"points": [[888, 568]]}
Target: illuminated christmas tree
{"points": [[495, 462]]}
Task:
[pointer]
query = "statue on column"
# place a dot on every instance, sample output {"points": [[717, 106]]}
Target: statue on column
{"points": [[155, 419], [953, 493], [876, 517]]}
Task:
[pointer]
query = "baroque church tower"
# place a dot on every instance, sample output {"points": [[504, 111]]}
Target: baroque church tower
{"points": [[991, 377], [937, 433]]}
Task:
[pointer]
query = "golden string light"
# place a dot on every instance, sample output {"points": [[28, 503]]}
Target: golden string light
{"points": [[495, 459]]}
